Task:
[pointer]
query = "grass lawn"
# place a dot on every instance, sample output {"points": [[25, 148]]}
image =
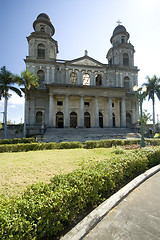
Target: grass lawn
{"points": [[17, 170]]}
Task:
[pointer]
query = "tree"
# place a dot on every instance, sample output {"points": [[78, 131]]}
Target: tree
{"points": [[30, 81], [153, 89], [7, 80]]}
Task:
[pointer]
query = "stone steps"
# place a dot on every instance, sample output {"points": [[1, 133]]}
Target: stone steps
{"points": [[85, 134]]}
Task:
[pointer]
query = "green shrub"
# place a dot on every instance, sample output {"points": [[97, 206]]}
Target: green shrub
{"points": [[157, 135], [24, 147], [17, 140], [118, 150]]}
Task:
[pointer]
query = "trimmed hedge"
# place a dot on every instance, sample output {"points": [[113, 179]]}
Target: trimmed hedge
{"points": [[119, 142], [21, 147], [34, 146], [17, 140], [45, 209]]}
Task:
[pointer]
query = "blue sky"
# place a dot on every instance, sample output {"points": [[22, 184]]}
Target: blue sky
{"points": [[80, 25]]}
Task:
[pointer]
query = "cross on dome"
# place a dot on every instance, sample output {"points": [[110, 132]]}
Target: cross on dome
{"points": [[119, 22]]}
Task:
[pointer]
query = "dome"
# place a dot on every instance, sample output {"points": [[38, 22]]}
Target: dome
{"points": [[44, 16], [119, 29]]}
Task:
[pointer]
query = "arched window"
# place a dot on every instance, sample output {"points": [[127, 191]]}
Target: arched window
{"points": [[98, 80], [73, 119], [126, 82], [125, 59], [39, 117], [41, 77], [42, 29], [87, 120], [100, 120], [59, 120], [86, 79], [41, 51], [73, 78]]}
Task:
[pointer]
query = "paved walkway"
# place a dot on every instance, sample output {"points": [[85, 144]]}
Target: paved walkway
{"points": [[137, 217]]}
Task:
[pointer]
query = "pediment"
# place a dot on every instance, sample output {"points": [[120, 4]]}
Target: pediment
{"points": [[86, 61]]}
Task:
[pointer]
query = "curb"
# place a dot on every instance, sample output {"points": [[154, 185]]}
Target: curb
{"points": [[89, 222]]}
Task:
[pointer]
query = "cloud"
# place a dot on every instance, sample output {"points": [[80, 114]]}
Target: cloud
{"points": [[15, 99]]}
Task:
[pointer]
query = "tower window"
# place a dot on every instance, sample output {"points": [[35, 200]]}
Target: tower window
{"points": [[126, 82], [42, 29], [98, 80], [125, 59], [41, 51], [41, 77], [122, 39]]}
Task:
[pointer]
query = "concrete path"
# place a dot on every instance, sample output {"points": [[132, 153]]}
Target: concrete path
{"points": [[132, 213], [137, 217]]}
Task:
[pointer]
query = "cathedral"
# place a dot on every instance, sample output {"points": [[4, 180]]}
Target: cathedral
{"points": [[83, 92]]}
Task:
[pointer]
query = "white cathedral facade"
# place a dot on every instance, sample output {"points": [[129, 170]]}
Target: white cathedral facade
{"points": [[82, 92]]}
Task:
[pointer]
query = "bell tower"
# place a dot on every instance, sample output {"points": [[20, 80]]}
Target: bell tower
{"points": [[122, 51], [41, 44]]}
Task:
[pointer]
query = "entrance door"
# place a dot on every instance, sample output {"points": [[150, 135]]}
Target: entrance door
{"points": [[59, 120], [73, 119], [100, 120], [87, 120], [128, 119], [114, 120]]}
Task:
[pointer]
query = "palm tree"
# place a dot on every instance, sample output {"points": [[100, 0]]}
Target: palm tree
{"points": [[153, 89], [30, 81], [7, 80]]}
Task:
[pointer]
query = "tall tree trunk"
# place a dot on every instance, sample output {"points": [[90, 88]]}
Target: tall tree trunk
{"points": [[154, 126], [5, 117], [25, 109]]}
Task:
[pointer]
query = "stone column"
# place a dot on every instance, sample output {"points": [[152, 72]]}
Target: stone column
{"points": [[96, 113], [32, 112], [121, 80], [110, 112], [80, 76], [133, 112], [81, 111], [92, 79], [117, 78], [123, 113], [53, 75], [67, 120], [47, 79], [67, 76], [51, 111]]}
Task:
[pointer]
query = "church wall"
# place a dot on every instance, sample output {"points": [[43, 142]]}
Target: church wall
{"points": [[113, 97]]}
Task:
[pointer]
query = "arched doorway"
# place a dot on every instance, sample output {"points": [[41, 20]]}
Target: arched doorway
{"points": [[39, 117], [100, 120], [73, 119], [113, 119], [59, 120], [87, 120]]}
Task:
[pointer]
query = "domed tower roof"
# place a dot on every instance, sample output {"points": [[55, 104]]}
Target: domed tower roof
{"points": [[119, 30], [44, 18]]}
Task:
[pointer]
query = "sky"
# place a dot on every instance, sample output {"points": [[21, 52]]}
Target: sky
{"points": [[80, 25]]}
